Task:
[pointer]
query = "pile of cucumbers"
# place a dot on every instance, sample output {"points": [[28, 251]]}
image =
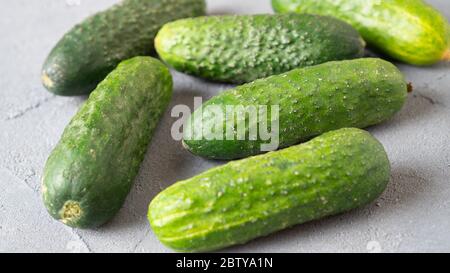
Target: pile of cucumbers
{"points": [[308, 59]]}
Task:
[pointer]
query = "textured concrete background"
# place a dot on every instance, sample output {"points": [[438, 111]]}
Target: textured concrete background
{"points": [[413, 215]]}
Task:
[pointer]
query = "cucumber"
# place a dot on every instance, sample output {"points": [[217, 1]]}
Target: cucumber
{"points": [[91, 170], [242, 200], [312, 100], [407, 30], [241, 49], [93, 48]]}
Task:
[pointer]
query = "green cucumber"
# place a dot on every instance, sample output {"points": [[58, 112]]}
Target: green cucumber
{"points": [[91, 170], [242, 200], [407, 30], [93, 48], [312, 100], [240, 49]]}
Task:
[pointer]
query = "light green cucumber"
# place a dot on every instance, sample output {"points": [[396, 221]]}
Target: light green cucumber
{"points": [[408, 30], [242, 200]]}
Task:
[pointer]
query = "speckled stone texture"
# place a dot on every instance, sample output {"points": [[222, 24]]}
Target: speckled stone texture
{"points": [[413, 215]]}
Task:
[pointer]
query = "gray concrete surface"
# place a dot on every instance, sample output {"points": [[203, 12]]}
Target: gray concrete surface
{"points": [[413, 215]]}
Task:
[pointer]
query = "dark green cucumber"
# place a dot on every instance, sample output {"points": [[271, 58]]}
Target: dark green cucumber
{"points": [[93, 48], [241, 49], [92, 168], [408, 30], [312, 100], [246, 199]]}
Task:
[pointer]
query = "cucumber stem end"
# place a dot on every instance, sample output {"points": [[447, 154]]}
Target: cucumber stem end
{"points": [[446, 56], [71, 211], [410, 87]]}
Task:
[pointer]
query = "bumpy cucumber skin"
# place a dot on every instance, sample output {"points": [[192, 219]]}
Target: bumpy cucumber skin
{"points": [[239, 49], [242, 200], [95, 162], [408, 30], [313, 100], [93, 48]]}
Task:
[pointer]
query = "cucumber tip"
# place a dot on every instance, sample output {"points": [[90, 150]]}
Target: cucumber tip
{"points": [[446, 56], [410, 87]]}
